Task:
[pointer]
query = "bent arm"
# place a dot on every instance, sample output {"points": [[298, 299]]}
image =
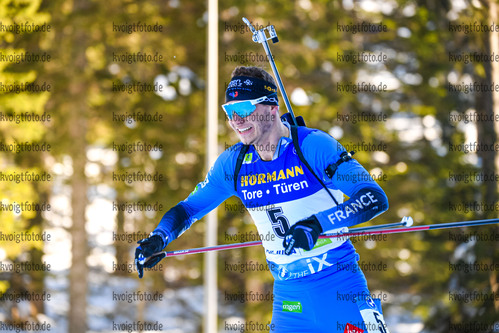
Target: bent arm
{"points": [[366, 198]]}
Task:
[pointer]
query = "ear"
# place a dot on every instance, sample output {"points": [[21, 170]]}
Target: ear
{"points": [[275, 108]]}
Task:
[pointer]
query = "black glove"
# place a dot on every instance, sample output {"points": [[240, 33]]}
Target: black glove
{"points": [[144, 253], [303, 234]]}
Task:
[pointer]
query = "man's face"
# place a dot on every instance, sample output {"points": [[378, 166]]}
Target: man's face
{"points": [[256, 127]]}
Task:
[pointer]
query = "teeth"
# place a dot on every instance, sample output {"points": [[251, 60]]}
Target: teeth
{"points": [[243, 129]]}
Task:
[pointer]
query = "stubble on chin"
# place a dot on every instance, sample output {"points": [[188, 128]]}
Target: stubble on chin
{"points": [[260, 128]]}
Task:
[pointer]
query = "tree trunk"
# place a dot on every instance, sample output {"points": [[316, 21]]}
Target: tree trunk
{"points": [[77, 123], [120, 246], [494, 187], [78, 272]]}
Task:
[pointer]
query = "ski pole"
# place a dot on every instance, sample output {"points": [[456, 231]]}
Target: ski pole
{"points": [[412, 229], [259, 36], [406, 221], [374, 230]]}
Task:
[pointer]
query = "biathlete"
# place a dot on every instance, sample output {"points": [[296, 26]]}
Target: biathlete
{"points": [[318, 286]]}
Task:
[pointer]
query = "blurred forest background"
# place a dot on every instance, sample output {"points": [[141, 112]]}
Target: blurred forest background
{"points": [[425, 117]]}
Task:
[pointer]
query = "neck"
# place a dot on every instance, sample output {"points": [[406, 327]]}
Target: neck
{"points": [[268, 145]]}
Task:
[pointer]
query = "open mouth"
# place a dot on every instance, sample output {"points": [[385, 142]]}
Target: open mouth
{"points": [[242, 130]]}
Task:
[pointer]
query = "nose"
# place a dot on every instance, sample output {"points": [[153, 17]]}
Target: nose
{"points": [[237, 119]]}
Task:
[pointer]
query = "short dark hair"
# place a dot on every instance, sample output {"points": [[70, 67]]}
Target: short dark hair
{"points": [[253, 71]]}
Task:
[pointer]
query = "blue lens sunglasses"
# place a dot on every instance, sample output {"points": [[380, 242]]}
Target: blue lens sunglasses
{"points": [[246, 107]]}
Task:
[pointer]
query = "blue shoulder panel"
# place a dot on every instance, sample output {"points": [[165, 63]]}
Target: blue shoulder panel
{"points": [[208, 194], [367, 199]]}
